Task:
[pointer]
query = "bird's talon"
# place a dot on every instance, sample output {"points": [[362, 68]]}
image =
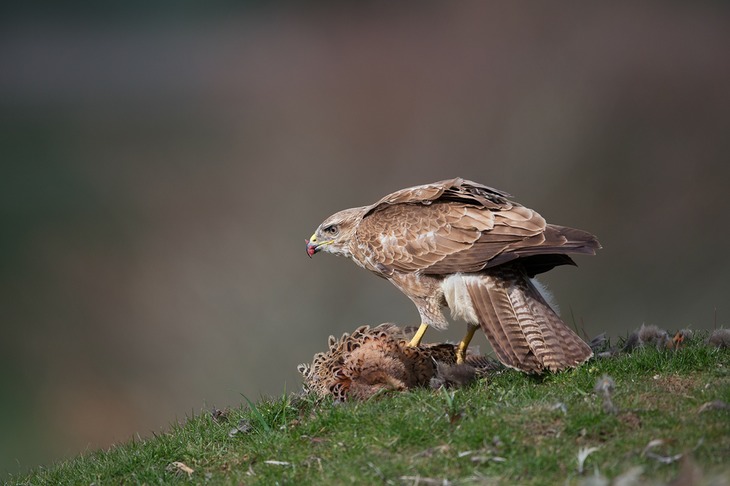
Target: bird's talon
{"points": [[416, 341]]}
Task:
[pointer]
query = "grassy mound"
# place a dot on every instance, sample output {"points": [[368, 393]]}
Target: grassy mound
{"points": [[659, 415]]}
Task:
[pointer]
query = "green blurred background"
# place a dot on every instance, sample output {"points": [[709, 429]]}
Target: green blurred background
{"points": [[161, 167]]}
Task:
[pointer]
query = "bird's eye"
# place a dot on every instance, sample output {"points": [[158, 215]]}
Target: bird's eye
{"points": [[330, 230]]}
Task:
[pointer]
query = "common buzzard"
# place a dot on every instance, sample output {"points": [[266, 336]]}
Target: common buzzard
{"points": [[466, 246]]}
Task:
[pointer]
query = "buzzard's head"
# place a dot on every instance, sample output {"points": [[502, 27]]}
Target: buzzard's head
{"points": [[335, 233]]}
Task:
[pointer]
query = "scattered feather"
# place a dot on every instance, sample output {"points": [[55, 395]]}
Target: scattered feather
{"points": [[219, 416], [487, 454], [648, 336], [180, 467], [714, 405], [720, 338], [632, 342], [483, 459], [453, 375], [583, 454], [431, 451], [664, 459], [604, 388], [599, 343], [604, 385], [277, 463], [560, 406], [654, 336], [653, 444], [426, 481], [243, 427]]}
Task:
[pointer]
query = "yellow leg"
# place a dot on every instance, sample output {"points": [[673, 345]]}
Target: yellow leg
{"points": [[419, 335], [461, 349]]}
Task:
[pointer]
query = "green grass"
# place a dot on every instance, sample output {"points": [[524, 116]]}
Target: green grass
{"points": [[513, 429]]}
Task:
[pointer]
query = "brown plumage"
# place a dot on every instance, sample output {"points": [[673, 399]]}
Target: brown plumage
{"points": [[460, 244], [373, 360]]}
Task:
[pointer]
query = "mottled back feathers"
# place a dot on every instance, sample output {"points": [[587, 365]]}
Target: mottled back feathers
{"points": [[458, 226]]}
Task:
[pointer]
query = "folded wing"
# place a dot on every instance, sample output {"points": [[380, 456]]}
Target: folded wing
{"points": [[460, 226]]}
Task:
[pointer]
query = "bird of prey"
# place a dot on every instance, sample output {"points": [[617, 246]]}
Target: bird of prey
{"points": [[466, 246]]}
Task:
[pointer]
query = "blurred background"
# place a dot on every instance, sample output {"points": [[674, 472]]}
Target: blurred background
{"points": [[161, 167]]}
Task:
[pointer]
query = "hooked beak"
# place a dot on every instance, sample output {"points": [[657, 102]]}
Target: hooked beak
{"points": [[311, 248], [313, 245]]}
